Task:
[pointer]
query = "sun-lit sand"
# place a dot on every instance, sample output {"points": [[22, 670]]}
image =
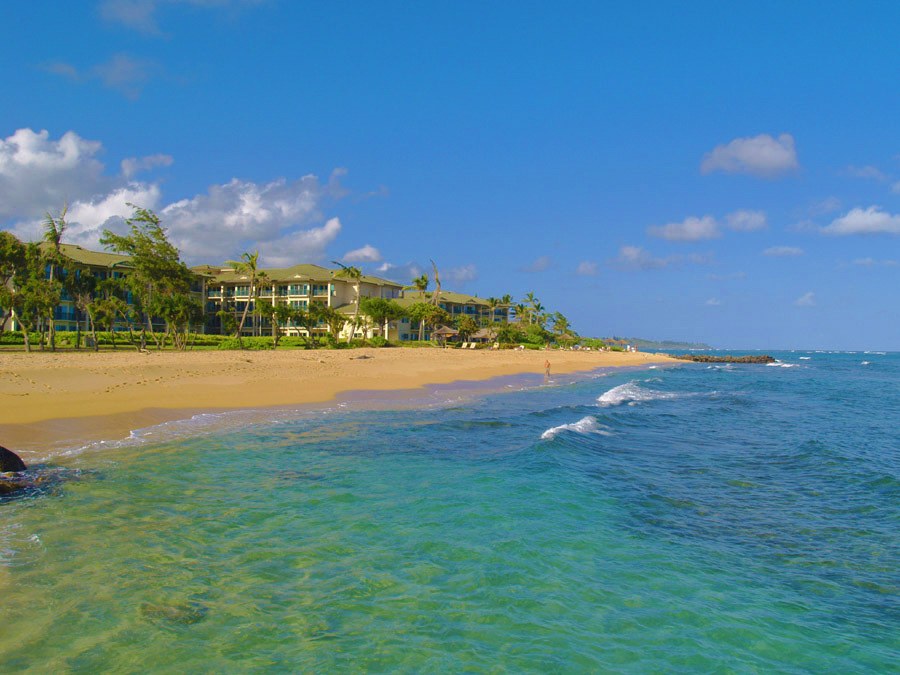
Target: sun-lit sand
{"points": [[65, 398]]}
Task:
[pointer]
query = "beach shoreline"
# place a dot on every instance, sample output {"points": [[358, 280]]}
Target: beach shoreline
{"points": [[55, 400]]}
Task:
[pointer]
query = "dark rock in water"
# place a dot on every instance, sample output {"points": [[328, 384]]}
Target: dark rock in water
{"points": [[10, 461], [708, 358], [183, 614]]}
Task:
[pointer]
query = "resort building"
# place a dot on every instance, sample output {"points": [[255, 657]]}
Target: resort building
{"points": [[483, 312], [299, 286], [225, 293], [101, 265]]}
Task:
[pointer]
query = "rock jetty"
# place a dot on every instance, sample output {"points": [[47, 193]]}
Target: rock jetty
{"points": [[709, 358]]}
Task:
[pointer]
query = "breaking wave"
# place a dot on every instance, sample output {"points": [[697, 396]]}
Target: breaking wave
{"points": [[586, 425], [631, 393]]}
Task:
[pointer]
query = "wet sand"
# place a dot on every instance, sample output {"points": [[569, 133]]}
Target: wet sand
{"points": [[67, 398]]}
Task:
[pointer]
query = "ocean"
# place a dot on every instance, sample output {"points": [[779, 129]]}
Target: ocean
{"points": [[738, 518]]}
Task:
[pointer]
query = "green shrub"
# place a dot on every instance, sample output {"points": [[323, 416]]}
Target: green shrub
{"points": [[251, 343], [379, 341]]}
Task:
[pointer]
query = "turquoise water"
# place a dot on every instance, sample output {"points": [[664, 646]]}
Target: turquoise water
{"points": [[740, 518]]}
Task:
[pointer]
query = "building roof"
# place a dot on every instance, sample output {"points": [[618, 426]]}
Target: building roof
{"points": [[83, 256], [410, 297], [303, 272]]}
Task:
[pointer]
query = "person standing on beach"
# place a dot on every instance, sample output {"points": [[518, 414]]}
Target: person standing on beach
{"points": [[547, 368]]}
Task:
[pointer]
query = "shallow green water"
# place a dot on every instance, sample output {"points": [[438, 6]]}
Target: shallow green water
{"points": [[455, 538]]}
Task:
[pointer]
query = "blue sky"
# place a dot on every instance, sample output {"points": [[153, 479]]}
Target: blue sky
{"points": [[718, 172]]}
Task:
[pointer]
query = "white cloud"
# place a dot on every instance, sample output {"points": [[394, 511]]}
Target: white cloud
{"points": [[690, 229], [133, 165], [867, 172], [783, 251], [241, 215], [759, 156], [746, 221], [461, 275], [367, 253], [539, 265], [713, 302], [895, 188], [298, 245], [635, 257], [38, 173], [586, 268], [402, 273], [806, 300], [865, 221]]}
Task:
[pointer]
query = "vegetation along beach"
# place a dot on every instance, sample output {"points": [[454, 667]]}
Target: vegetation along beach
{"points": [[507, 337]]}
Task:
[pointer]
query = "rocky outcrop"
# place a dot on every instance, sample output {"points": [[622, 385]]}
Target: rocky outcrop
{"points": [[709, 358], [10, 461]]}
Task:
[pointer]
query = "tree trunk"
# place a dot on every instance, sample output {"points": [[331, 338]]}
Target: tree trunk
{"points": [[93, 331]]}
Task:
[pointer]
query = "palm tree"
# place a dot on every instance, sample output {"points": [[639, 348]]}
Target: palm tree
{"points": [[493, 304], [246, 265], [420, 283], [521, 312], [353, 274], [54, 227]]}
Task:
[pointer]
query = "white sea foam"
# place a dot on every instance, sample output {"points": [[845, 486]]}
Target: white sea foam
{"points": [[866, 363], [805, 358], [586, 425], [782, 364], [631, 393]]}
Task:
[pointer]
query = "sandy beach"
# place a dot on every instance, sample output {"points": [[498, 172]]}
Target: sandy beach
{"points": [[49, 399]]}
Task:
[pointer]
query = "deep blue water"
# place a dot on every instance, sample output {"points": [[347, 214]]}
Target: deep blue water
{"points": [[740, 518]]}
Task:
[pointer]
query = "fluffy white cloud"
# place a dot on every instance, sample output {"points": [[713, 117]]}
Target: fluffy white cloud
{"points": [[783, 251], [872, 220], [806, 300], [38, 173], [297, 245], [240, 215], [133, 165], [746, 221], [760, 155], [367, 253], [586, 268], [690, 229]]}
